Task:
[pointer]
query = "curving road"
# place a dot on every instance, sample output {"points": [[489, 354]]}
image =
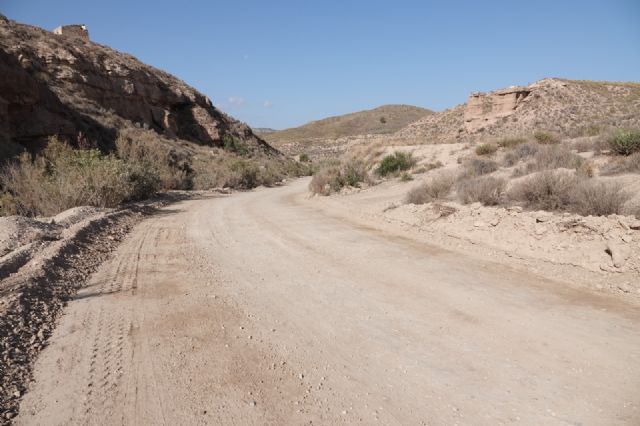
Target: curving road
{"points": [[258, 308]]}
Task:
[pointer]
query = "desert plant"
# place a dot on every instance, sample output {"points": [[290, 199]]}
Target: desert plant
{"points": [[304, 158], [510, 142], [406, 177], [557, 156], [618, 165], [234, 144], [333, 176], [487, 190], [60, 177], [520, 152], [625, 142], [547, 190], [396, 162], [438, 187], [479, 166], [545, 137], [598, 198], [486, 149]]}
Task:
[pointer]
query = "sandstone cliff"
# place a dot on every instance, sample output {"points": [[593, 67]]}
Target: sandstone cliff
{"points": [[58, 84], [567, 107]]}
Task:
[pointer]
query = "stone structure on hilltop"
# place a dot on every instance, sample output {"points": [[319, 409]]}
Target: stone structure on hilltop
{"points": [[484, 109], [74, 31]]}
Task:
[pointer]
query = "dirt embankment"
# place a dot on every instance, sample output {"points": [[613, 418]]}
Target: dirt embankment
{"points": [[44, 262]]}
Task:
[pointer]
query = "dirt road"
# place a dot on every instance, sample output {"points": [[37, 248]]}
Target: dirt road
{"points": [[256, 308]]}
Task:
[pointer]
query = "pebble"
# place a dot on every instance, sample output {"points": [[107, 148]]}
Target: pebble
{"points": [[253, 403]]}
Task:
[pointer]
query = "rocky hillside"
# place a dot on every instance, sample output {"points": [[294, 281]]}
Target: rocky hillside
{"points": [[382, 120], [566, 107], [64, 84]]}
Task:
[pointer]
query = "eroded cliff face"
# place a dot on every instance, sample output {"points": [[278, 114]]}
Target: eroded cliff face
{"points": [[55, 84], [485, 109]]}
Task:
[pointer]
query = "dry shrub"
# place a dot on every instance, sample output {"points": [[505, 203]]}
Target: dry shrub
{"points": [[61, 177], [335, 175], [584, 145], [556, 157], [486, 149], [436, 188], [545, 138], [487, 190], [479, 166], [510, 142], [525, 150], [547, 190], [618, 165], [562, 191], [598, 198]]}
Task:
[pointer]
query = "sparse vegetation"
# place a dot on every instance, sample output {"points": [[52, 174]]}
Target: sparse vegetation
{"points": [[486, 149], [556, 156], [487, 190], [396, 162], [234, 144], [436, 188], [61, 177], [520, 152], [545, 138], [335, 175], [304, 158], [630, 164], [510, 142], [479, 166], [625, 142], [563, 191]]}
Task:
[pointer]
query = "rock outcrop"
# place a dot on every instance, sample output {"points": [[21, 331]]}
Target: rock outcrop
{"points": [[565, 107], [485, 109], [65, 84]]}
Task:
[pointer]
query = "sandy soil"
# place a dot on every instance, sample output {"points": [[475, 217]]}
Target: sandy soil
{"points": [[263, 308]]}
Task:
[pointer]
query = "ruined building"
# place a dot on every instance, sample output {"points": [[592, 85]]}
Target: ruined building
{"points": [[74, 31]]}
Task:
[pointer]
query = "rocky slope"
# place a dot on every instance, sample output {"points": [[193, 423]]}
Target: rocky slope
{"points": [[65, 85], [567, 107]]}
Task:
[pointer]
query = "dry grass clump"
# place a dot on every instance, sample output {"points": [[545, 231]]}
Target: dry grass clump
{"points": [[479, 166], [556, 157], [521, 151], [487, 190], [510, 142], [428, 167], [486, 149], [556, 190], [335, 175], [545, 138], [436, 188], [630, 164]]}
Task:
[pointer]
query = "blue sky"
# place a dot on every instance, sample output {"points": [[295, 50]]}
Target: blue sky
{"points": [[282, 63]]}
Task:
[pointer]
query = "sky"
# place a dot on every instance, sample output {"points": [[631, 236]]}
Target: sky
{"points": [[280, 64]]}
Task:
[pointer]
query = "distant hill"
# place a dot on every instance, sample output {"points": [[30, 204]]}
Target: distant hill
{"points": [[263, 130], [382, 120], [565, 107]]}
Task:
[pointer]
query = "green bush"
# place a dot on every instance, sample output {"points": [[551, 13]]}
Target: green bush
{"points": [[396, 162], [304, 158], [625, 142], [486, 149], [234, 144]]}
